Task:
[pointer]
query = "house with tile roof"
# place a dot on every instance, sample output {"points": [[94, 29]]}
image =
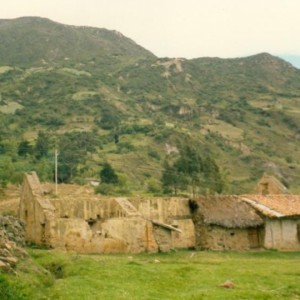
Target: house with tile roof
{"points": [[281, 214], [247, 222]]}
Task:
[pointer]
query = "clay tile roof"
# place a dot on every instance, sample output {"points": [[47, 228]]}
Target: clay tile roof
{"points": [[227, 211], [275, 205]]}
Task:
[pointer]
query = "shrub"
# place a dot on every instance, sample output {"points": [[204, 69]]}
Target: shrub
{"points": [[105, 189], [108, 174], [154, 154], [125, 147], [153, 186]]}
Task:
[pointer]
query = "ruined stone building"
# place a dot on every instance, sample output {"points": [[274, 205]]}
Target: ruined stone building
{"points": [[79, 220]]}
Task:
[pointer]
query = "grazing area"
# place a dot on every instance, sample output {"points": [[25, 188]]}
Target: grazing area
{"points": [[176, 275]]}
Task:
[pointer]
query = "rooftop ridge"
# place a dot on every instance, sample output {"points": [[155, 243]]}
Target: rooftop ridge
{"points": [[263, 208]]}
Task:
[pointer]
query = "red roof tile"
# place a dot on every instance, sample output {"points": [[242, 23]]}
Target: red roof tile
{"points": [[275, 205]]}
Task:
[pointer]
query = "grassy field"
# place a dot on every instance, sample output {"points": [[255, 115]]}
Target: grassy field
{"points": [[177, 275]]}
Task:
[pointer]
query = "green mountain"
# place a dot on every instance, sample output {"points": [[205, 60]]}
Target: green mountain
{"points": [[99, 97], [32, 41]]}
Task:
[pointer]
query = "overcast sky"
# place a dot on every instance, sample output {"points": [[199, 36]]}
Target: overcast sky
{"points": [[181, 28]]}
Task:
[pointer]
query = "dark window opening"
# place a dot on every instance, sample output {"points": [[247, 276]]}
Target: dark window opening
{"points": [[265, 189], [91, 221]]}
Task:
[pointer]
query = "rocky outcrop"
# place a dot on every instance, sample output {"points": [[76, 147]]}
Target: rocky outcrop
{"points": [[11, 241]]}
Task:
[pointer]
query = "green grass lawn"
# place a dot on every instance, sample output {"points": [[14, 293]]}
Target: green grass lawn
{"points": [[177, 275]]}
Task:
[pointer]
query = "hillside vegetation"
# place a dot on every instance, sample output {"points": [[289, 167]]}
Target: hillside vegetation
{"points": [[100, 98]]}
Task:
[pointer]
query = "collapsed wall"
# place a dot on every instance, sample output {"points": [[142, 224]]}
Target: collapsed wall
{"points": [[92, 224]]}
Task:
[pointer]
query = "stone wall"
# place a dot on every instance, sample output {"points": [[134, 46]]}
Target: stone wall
{"points": [[12, 229]]}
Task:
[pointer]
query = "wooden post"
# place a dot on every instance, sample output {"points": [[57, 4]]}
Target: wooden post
{"points": [[56, 155]]}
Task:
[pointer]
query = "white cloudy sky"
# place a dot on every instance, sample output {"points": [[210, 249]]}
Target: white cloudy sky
{"points": [[181, 28]]}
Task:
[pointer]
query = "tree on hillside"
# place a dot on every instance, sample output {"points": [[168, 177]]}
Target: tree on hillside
{"points": [[24, 148], [171, 179], [192, 171], [73, 149], [110, 118], [7, 171], [108, 174], [212, 175], [42, 145], [190, 166]]}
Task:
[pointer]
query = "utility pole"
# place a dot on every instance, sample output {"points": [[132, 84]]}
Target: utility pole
{"points": [[56, 155]]}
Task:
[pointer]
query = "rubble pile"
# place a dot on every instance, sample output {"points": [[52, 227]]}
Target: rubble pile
{"points": [[11, 242]]}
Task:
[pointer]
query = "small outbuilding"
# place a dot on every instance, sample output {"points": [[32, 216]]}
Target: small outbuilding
{"points": [[281, 214], [227, 223]]}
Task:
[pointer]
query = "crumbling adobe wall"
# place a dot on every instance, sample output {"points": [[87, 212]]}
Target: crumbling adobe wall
{"points": [[115, 235], [174, 211], [92, 224], [186, 239], [164, 209], [35, 211], [110, 215], [135, 232], [163, 238], [86, 207]]}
